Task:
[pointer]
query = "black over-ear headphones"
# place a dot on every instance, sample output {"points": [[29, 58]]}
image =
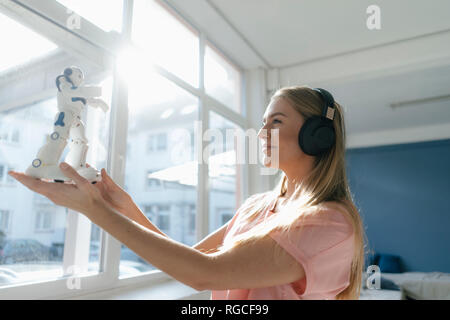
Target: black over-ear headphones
{"points": [[317, 134]]}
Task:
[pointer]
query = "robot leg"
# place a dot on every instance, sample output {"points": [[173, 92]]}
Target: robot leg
{"points": [[78, 152], [78, 146], [45, 165]]}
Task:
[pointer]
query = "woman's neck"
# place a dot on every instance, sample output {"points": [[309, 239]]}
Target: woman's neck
{"points": [[296, 176]]}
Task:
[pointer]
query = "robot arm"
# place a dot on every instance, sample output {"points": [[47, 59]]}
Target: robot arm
{"points": [[97, 103], [88, 92]]}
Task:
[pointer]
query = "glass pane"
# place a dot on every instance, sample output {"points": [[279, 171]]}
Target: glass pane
{"points": [[161, 177], [32, 228], [16, 53], [106, 14], [225, 173], [222, 79], [167, 41]]}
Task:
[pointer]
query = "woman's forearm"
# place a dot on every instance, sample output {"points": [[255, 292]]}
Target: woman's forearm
{"points": [[180, 261], [134, 213]]}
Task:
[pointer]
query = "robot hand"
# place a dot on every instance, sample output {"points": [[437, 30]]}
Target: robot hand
{"points": [[98, 103]]}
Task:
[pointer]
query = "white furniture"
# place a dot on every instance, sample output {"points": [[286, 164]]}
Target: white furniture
{"points": [[413, 285]]}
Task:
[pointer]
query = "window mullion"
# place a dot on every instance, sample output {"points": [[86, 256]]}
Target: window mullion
{"points": [[76, 243], [202, 216]]}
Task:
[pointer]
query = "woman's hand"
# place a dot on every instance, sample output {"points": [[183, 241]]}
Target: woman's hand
{"points": [[112, 193], [81, 195]]}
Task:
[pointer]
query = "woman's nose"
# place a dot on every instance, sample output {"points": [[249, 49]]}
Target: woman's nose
{"points": [[263, 133]]}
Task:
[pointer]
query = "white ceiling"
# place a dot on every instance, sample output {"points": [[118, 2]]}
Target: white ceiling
{"points": [[367, 102], [286, 34]]}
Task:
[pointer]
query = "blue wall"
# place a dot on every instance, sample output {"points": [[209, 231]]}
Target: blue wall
{"points": [[403, 193]]}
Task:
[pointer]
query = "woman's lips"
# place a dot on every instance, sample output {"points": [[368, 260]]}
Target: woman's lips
{"points": [[265, 149]]}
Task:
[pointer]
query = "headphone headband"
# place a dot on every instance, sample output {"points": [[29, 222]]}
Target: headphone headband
{"points": [[328, 109]]}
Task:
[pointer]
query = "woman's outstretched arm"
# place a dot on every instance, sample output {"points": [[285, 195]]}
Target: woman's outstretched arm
{"points": [[180, 261]]}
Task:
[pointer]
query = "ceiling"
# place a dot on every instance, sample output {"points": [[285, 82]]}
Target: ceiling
{"points": [[285, 34], [367, 102]]}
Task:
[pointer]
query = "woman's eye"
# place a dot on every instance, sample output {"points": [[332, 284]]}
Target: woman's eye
{"points": [[274, 121]]}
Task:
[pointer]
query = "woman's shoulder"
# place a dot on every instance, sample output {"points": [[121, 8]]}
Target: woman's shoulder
{"points": [[336, 211]]}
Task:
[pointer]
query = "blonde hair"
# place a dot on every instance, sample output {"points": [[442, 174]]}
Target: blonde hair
{"points": [[326, 182]]}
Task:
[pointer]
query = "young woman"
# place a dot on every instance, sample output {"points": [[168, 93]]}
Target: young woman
{"points": [[302, 240]]}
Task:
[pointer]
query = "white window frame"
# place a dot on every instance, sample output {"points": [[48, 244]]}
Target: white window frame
{"points": [[90, 42]]}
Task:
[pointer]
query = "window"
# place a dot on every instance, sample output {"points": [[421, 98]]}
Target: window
{"points": [[152, 183], [161, 142], [150, 143], [9, 134], [163, 108], [4, 176], [44, 221], [226, 216], [157, 142], [4, 222], [225, 175], [174, 171], [222, 79], [164, 220], [31, 46], [150, 212], [166, 39], [37, 231]]}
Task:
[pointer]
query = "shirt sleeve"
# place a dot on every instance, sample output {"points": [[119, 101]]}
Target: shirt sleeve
{"points": [[323, 245]]}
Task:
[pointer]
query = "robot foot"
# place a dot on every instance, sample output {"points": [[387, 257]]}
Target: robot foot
{"points": [[46, 171], [53, 172], [90, 174]]}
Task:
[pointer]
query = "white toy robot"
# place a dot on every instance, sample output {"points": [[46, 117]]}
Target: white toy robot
{"points": [[71, 97]]}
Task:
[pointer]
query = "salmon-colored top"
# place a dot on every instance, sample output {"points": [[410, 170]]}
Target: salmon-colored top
{"points": [[324, 246]]}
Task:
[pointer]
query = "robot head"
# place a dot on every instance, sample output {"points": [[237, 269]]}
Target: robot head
{"points": [[74, 75]]}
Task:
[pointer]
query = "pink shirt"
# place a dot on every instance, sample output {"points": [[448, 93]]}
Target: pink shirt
{"points": [[324, 247]]}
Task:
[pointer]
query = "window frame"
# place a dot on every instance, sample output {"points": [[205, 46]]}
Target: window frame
{"points": [[92, 43]]}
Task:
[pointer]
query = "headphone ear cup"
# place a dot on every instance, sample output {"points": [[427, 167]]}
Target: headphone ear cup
{"points": [[316, 136]]}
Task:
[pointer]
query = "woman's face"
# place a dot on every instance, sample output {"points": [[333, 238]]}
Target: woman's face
{"points": [[283, 120]]}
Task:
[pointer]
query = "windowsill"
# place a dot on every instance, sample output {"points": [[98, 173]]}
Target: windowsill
{"points": [[167, 290]]}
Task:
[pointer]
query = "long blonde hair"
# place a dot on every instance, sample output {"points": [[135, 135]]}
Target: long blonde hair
{"points": [[326, 182]]}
